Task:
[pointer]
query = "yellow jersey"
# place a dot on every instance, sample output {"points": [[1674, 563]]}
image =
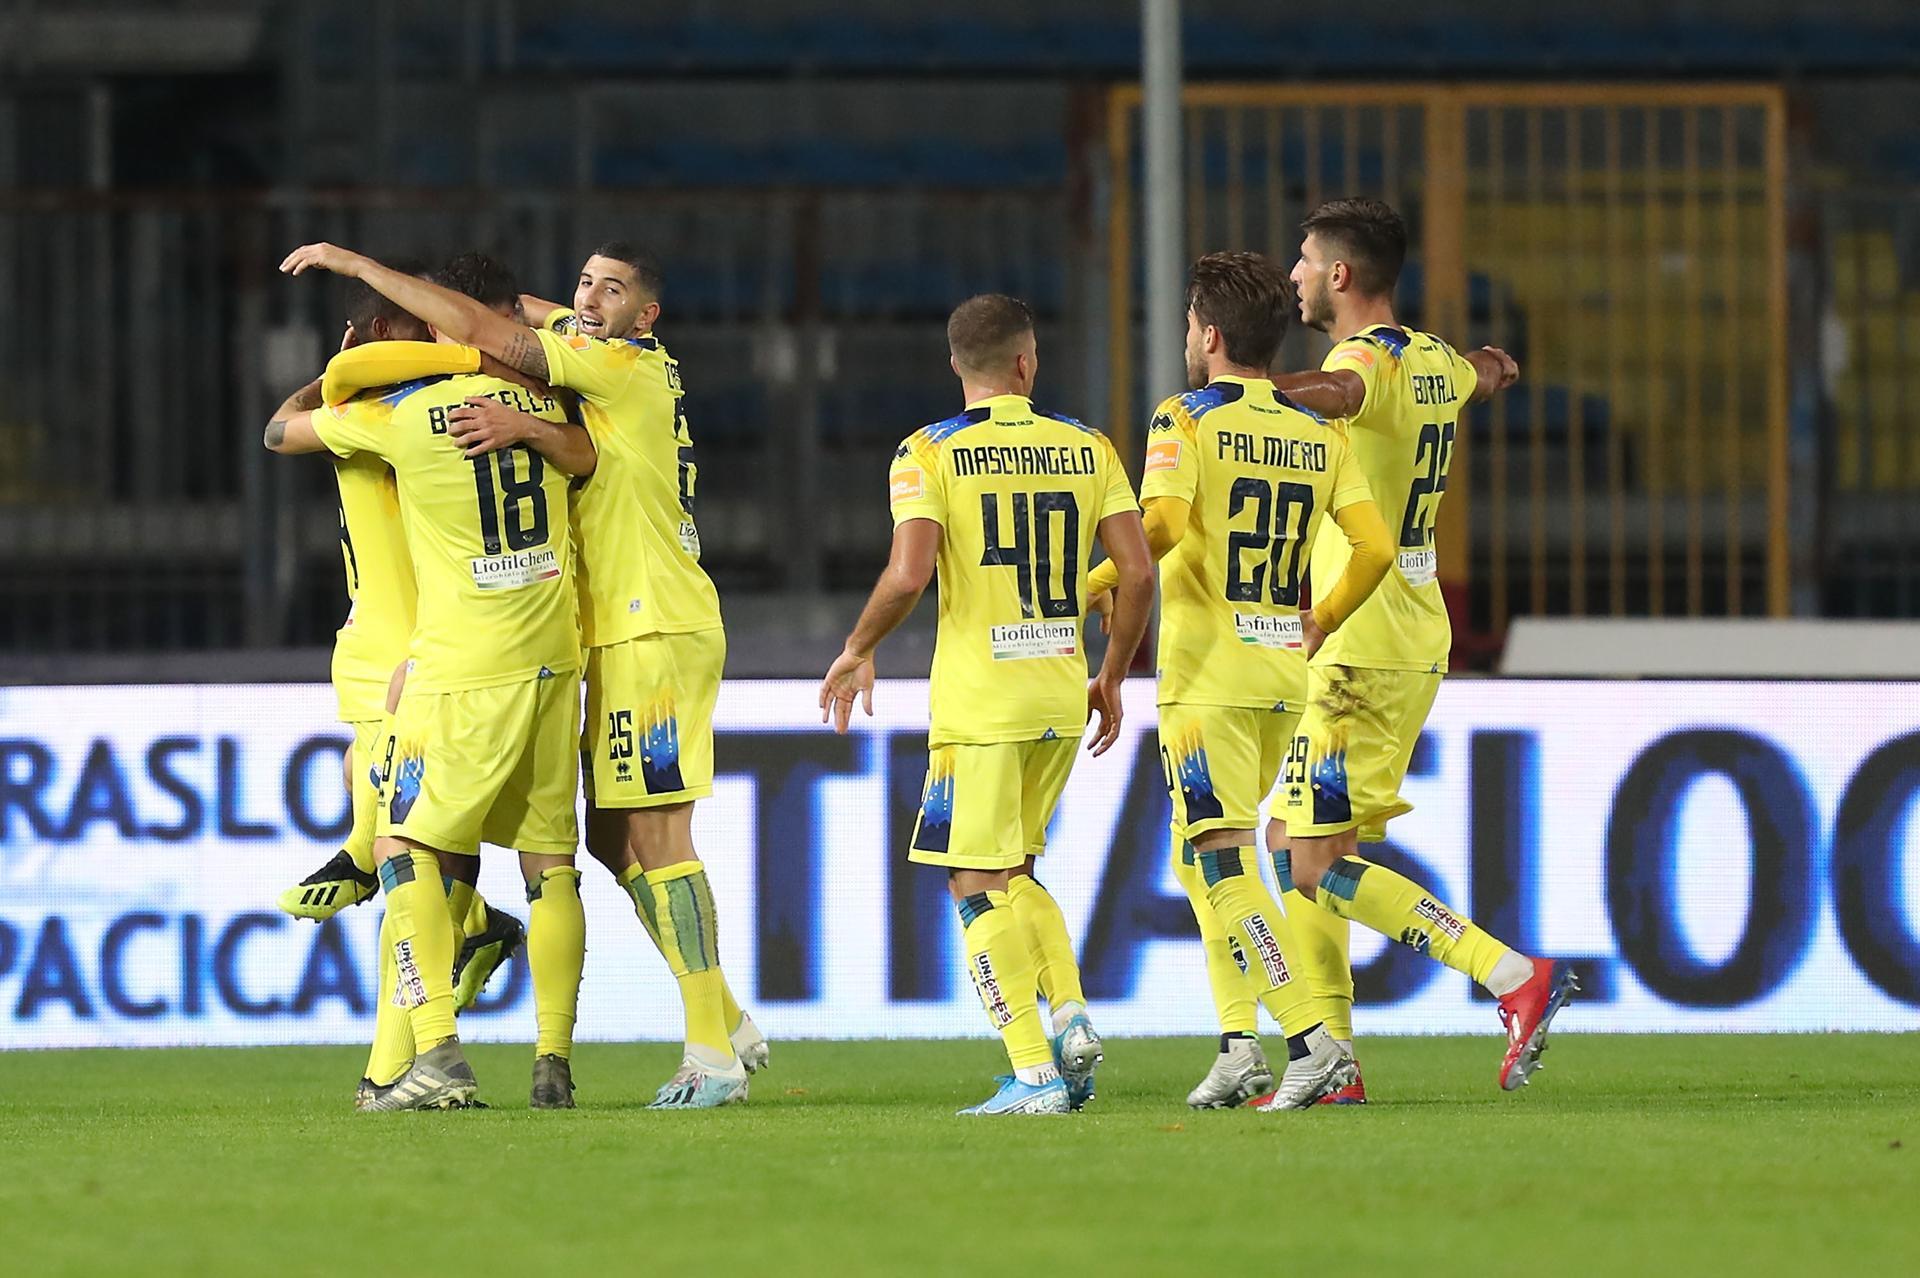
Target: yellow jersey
{"points": [[1261, 475], [1403, 437], [640, 570], [373, 545], [491, 556], [1020, 495]]}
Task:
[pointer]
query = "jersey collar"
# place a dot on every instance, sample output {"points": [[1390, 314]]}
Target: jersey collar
{"points": [[1254, 387], [1019, 403]]}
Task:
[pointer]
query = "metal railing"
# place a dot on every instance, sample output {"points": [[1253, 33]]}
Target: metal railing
{"points": [[1626, 242]]}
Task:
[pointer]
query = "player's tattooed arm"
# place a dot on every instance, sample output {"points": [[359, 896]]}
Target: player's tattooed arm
{"points": [[291, 428], [524, 352], [1339, 393], [454, 315], [1498, 370]]}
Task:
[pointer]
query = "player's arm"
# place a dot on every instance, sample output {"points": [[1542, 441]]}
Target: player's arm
{"points": [[1336, 392], [538, 310], [1123, 536], [370, 364], [290, 429], [1372, 545], [1165, 523], [483, 425], [455, 315], [909, 570], [1494, 371]]}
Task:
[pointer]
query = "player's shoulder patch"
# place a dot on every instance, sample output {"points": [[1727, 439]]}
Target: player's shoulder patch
{"points": [[1200, 402], [940, 431], [1298, 408], [1064, 420], [392, 395], [1388, 338]]}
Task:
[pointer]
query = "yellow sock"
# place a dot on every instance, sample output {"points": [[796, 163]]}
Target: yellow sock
{"points": [[556, 951], [392, 1032], [1325, 941], [1001, 964], [683, 919], [634, 880], [1251, 915], [460, 905], [1226, 975], [1400, 909], [1045, 928], [423, 944], [474, 921]]}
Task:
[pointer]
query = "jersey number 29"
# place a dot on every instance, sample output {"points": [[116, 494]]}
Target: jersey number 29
{"points": [[1029, 552]]}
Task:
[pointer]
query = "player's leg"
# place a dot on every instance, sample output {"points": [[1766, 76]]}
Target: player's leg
{"points": [[534, 812], [607, 842], [347, 878], [1346, 782], [454, 754], [970, 826], [489, 937], [1220, 763], [1239, 1068], [421, 937], [1045, 766], [1324, 940], [652, 758]]}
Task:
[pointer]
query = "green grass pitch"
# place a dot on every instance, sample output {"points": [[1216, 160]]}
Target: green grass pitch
{"points": [[1628, 1156]]}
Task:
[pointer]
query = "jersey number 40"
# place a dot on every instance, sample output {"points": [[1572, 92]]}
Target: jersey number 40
{"points": [[1029, 550]]}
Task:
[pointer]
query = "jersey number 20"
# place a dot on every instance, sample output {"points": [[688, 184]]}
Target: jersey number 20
{"points": [[1030, 550], [522, 500], [1286, 509]]}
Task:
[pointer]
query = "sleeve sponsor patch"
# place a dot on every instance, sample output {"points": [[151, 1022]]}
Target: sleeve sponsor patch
{"points": [[579, 341], [1164, 455], [1355, 354], [907, 484]]}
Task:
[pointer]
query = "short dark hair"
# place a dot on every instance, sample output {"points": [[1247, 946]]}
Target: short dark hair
{"points": [[364, 306], [645, 266], [487, 280], [1248, 298], [982, 330], [1368, 235]]}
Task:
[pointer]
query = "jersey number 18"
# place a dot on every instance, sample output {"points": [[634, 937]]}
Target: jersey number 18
{"points": [[522, 500]]}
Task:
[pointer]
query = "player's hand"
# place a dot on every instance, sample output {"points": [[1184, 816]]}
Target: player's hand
{"points": [[1311, 635], [850, 675], [482, 426], [322, 257], [1102, 604], [1509, 367], [1103, 700]]}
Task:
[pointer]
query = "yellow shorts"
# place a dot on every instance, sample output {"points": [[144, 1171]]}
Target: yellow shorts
{"points": [[986, 807], [486, 765], [1220, 763], [364, 762], [648, 739], [1350, 755]]}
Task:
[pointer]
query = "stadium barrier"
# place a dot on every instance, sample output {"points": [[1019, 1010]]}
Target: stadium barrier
{"points": [[1627, 242], [1716, 856]]}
